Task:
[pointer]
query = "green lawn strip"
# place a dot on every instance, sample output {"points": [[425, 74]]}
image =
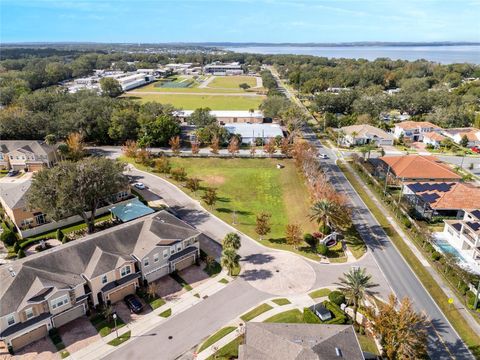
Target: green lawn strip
{"points": [[180, 280], [282, 193], [355, 242], [121, 339], [229, 351], [232, 82], [105, 327], [155, 304], [319, 293], [464, 330], [367, 344], [166, 313], [281, 301], [217, 336], [223, 281], [290, 316], [255, 312]]}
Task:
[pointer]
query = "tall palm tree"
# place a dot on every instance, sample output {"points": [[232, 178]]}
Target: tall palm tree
{"points": [[230, 260], [325, 213], [356, 284], [232, 241]]}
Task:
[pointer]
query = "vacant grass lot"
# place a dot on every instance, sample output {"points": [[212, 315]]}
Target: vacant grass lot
{"points": [[192, 102], [249, 186], [232, 82]]}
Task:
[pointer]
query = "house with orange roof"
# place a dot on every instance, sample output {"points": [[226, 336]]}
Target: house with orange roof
{"points": [[413, 168], [414, 130], [457, 134], [433, 138]]}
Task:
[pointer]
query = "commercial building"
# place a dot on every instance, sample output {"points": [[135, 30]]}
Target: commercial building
{"points": [[414, 130], [250, 133], [133, 81], [56, 286], [365, 134], [26, 154], [219, 69], [226, 116]]}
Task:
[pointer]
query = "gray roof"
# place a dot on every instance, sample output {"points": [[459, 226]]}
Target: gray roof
{"points": [[13, 193], [269, 341], [62, 267], [33, 146]]}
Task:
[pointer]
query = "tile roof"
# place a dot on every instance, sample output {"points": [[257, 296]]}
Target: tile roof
{"points": [[434, 136], [62, 267], [419, 167], [277, 341], [365, 130], [447, 196], [409, 125]]}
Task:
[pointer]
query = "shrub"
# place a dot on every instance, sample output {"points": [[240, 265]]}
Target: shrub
{"points": [[310, 240], [16, 247], [322, 249], [339, 316], [309, 317], [59, 235], [336, 297], [8, 237], [407, 223], [178, 174], [65, 239], [21, 253], [436, 256], [463, 288], [471, 299]]}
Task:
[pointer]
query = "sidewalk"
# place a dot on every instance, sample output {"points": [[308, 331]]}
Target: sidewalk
{"points": [[141, 327], [445, 288]]}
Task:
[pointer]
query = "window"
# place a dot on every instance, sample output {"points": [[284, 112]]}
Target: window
{"points": [[156, 257], [60, 301], [10, 319], [165, 253], [172, 250], [146, 262], [29, 313], [179, 247], [104, 279], [125, 271]]}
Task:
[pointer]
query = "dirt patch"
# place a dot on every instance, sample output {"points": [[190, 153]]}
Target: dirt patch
{"points": [[78, 334], [169, 289], [214, 179], [42, 349], [194, 275]]}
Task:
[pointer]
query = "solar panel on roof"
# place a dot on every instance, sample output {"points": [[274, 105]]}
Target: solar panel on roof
{"points": [[473, 225], [457, 226], [476, 213], [429, 198]]}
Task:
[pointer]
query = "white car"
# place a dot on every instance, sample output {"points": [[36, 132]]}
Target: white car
{"points": [[140, 186], [323, 156]]}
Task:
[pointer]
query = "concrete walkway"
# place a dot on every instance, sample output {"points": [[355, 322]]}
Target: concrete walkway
{"points": [[459, 305]]}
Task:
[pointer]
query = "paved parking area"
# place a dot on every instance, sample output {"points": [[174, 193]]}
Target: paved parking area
{"points": [[126, 315], [78, 334], [194, 275], [42, 349], [169, 289]]}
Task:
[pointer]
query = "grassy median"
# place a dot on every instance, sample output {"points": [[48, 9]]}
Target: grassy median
{"points": [[471, 339]]}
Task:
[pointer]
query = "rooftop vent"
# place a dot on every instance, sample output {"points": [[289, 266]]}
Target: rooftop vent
{"points": [[11, 271], [338, 352]]}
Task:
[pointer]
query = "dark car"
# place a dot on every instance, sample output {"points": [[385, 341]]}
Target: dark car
{"points": [[133, 303], [12, 173]]}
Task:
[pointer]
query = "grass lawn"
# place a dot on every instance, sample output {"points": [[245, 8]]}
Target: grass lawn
{"points": [[103, 326], [229, 351], [155, 304], [319, 293], [192, 102], [466, 333], [281, 301], [223, 281], [166, 313], [368, 344], [355, 243], [293, 316], [282, 193], [187, 90], [121, 339], [232, 82], [217, 336], [255, 312], [336, 254]]}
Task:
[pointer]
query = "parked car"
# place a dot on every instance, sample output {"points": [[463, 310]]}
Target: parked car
{"points": [[476, 149], [12, 173], [133, 303], [323, 156], [140, 186]]}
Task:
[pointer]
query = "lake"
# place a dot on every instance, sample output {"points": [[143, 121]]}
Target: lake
{"points": [[440, 54]]}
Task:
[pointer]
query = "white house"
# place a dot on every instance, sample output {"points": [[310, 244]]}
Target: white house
{"points": [[252, 132], [227, 116], [433, 138], [414, 130], [365, 134], [457, 134]]}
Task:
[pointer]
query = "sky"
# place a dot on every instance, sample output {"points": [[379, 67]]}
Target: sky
{"points": [[159, 21]]}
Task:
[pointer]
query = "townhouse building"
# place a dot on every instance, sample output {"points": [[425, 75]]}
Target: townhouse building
{"points": [[26, 154], [49, 289]]}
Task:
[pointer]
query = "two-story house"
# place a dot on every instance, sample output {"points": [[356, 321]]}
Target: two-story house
{"points": [[414, 130], [457, 135], [56, 286], [26, 154]]}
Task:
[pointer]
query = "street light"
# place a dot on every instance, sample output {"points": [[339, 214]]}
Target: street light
{"points": [[115, 323]]}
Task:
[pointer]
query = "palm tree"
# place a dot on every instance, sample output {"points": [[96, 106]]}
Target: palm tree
{"points": [[356, 284], [326, 214], [230, 260], [354, 135], [232, 241]]}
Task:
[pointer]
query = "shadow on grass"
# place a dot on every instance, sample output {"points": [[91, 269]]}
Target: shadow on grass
{"points": [[230, 211]]}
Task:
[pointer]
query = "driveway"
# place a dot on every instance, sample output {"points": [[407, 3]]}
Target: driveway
{"points": [[42, 349], [78, 334], [169, 289], [194, 275], [126, 315]]}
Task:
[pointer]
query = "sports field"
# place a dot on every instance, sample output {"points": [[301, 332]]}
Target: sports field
{"points": [[192, 102], [192, 89], [232, 82]]}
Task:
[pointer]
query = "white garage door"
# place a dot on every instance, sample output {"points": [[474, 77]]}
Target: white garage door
{"points": [[68, 316], [157, 274]]}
